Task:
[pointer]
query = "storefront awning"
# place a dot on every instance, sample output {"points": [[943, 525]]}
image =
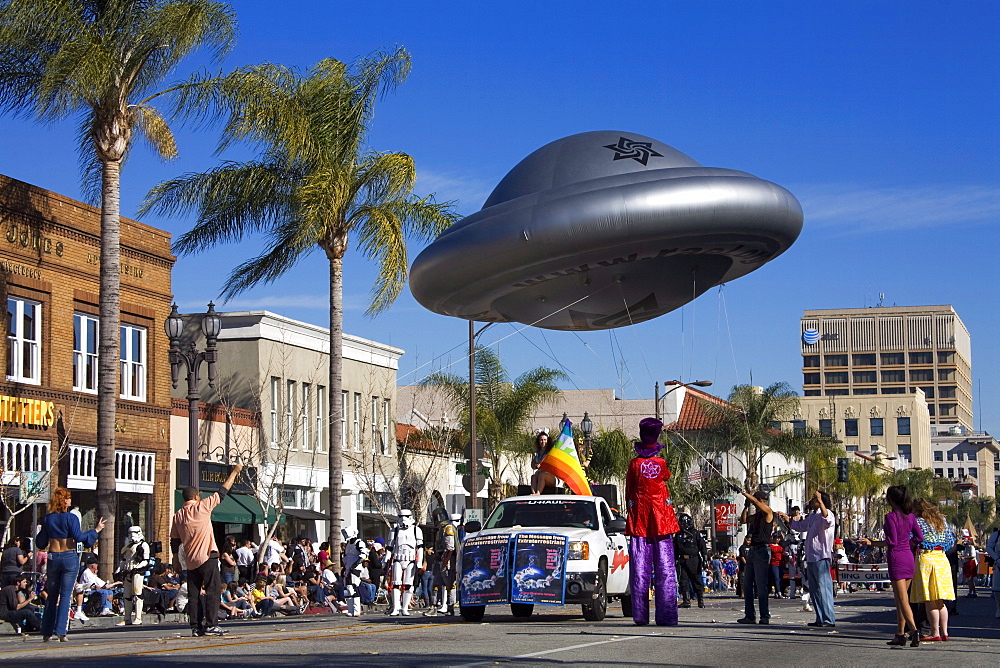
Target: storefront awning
{"points": [[235, 509], [305, 514]]}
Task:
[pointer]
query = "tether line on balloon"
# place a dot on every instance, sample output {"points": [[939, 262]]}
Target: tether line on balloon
{"points": [[628, 311], [504, 338]]}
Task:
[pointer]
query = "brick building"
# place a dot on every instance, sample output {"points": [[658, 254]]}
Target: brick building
{"points": [[49, 263]]}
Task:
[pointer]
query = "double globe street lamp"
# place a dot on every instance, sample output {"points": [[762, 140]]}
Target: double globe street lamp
{"points": [[211, 325]]}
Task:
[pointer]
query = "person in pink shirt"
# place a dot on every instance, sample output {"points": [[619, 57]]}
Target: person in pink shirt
{"points": [[192, 529]]}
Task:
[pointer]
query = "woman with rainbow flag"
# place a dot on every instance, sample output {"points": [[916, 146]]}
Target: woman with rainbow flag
{"points": [[650, 525]]}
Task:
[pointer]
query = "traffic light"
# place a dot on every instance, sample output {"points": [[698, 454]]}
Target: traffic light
{"points": [[841, 469]]}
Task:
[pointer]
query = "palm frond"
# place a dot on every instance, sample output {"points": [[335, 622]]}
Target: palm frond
{"points": [[154, 129]]}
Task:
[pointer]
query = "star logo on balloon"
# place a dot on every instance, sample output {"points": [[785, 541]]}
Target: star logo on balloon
{"points": [[649, 469], [640, 151]]}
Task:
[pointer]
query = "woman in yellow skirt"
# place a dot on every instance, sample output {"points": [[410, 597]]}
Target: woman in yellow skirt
{"points": [[932, 584]]}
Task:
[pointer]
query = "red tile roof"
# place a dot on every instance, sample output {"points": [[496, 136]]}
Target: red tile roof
{"points": [[693, 413]]}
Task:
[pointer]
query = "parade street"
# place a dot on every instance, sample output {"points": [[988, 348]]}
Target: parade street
{"points": [[705, 637]]}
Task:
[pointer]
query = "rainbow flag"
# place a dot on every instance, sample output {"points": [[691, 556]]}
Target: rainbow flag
{"points": [[562, 462]]}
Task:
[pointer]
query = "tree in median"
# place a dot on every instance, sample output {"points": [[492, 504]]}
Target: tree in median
{"points": [[315, 184]]}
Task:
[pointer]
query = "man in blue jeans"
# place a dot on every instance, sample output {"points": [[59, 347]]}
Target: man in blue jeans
{"points": [[819, 527]]}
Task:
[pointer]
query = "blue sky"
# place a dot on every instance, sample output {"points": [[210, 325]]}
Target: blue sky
{"points": [[881, 117]]}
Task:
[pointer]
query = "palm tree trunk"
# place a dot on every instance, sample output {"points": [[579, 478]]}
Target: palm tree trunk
{"points": [[336, 472], [109, 359]]}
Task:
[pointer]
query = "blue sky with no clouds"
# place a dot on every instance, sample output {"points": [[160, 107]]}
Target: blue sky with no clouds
{"points": [[881, 117]]}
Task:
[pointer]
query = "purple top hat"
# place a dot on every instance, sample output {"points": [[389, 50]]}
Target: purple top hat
{"points": [[649, 434]]}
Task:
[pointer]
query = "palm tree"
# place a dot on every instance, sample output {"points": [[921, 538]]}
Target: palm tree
{"points": [[503, 407], [314, 184], [102, 61], [748, 426]]}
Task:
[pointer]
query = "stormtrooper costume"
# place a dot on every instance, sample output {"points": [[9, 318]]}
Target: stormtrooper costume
{"points": [[135, 560], [407, 549], [356, 553], [445, 566]]}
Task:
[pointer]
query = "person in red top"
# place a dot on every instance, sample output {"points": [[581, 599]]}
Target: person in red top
{"points": [[777, 556], [650, 525]]}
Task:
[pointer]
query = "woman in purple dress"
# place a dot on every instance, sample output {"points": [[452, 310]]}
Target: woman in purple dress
{"points": [[901, 534]]}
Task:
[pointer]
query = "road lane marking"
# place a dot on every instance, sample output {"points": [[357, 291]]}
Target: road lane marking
{"points": [[204, 645], [553, 651]]}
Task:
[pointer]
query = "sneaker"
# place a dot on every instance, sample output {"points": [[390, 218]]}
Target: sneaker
{"points": [[81, 617], [701, 604], [215, 631], [746, 620], [764, 622], [829, 626], [197, 631], [685, 604], [815, 624], [303, 606]]}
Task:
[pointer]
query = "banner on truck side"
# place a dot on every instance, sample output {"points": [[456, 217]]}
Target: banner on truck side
{"points": [[539, 569], [484, 570]]}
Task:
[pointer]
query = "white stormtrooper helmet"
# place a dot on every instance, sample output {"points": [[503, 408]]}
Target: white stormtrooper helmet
{"points": [[135, 534], [405, 518], [350, 534], [456, 518]]}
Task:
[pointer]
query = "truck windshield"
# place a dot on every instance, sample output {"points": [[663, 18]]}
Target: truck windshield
{"points": [[544, 513]]}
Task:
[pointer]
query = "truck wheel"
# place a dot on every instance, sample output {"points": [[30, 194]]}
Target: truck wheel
{"points": [[522, 610], [473, 613], [627, 605], [598, 609]]}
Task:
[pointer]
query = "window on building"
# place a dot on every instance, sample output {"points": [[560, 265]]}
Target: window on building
{"points": [[836, 377], [931, 408], [928, 391], [866, 390], [946, 357], [947, 409], [905, 452], [922, 376], [375, 425], [946, 393], [290, 413], [851, 448], [876, 427], [938, 456], [306, 417], [973, 472], [951, 456], [865, 377], [24, 341], [939, 472], [810, 379], [922, 358], [903, 426], [275, 411], [851, 427], [386, 418], [946, 374], [866, 359], [826, 427], [893, 390], [85, 353], [810, 360], [951, 473], [133, 362], [356, 415], [961, 472], [893, 358], [894, 376], [343, 419], [811, 393], [799, 427], [837, 392], [835, 360], [322, 427]]}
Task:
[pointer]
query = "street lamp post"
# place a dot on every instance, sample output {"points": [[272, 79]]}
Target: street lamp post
{"points": [[211, 325], [657, 398], [587, 427]]}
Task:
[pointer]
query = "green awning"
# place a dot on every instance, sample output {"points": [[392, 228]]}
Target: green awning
{"points": [[235, 509]]}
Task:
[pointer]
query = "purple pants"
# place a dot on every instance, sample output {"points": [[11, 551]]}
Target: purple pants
{"points": [[653, 555]]}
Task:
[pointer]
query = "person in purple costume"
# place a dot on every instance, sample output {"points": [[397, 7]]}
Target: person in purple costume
{"points": [[901, 534]]}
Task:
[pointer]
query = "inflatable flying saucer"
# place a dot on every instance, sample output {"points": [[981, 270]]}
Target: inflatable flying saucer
{"points": [[600, 230]]}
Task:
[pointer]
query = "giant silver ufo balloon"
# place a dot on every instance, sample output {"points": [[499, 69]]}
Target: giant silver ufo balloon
{"points": [[600, 230]]}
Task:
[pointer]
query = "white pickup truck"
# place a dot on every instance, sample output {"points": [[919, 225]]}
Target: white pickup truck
{"points": [[597, 564]]}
